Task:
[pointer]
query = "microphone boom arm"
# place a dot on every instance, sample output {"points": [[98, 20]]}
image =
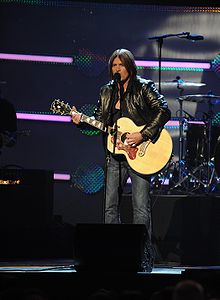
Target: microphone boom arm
{"points": [[168, 35]]}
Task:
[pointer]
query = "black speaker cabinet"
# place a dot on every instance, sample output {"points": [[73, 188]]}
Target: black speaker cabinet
{"points": [[109, 247], [200, 234], [26, 198]]}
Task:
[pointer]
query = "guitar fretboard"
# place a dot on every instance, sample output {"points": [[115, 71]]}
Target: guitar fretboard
{"points": [[94, 123], [64, 109]]}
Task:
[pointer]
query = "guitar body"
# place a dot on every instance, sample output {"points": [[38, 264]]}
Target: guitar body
{"points": [[147, 158]]}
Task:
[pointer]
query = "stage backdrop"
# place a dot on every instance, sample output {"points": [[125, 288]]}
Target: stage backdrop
{"points": [[60, 49]]}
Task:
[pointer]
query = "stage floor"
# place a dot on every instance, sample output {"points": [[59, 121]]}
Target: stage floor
{"points": [[58, 279], [68, 265]]}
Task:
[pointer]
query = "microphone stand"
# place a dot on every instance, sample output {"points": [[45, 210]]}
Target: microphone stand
{"points": [[120, 188], [160, 44], [106, 124], [181, 124], [160, 39]]}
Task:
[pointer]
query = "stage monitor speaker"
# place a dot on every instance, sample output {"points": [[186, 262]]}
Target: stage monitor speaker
{"points": [[109, 247], [26, 198]]}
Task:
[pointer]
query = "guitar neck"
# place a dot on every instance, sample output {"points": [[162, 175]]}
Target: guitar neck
{"points": [[95, 123], [62, 108]]}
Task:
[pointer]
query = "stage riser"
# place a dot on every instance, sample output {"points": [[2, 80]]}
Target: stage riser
{"points": [[185, 228]]}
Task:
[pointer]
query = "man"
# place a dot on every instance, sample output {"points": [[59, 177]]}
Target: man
{"points": [[128, 95]]}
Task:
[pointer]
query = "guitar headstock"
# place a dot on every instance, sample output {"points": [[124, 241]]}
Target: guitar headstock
{"points": [[59, 107]]}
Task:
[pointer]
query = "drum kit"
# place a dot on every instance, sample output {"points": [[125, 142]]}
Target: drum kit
{"points": [[198, 166]]}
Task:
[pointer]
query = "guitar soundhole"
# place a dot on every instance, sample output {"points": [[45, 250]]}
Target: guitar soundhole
{"points": [[123, 137]]}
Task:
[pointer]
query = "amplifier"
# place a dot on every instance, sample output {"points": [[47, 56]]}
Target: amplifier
{"points": [[26, 198]]}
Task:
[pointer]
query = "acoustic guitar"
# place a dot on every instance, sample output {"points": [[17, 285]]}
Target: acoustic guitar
{"points": [[146, 158]]}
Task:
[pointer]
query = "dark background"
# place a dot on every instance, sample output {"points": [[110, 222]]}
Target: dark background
{"points": [[92, 29]]}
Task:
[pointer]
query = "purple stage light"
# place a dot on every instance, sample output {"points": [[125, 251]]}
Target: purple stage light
{"points": [[60, 176], [173, 64], [139, 63], [38, 58], [43, 117], [58, 118]]}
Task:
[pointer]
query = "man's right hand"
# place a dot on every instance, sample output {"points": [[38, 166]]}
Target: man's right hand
{"points": [[76, 116]]}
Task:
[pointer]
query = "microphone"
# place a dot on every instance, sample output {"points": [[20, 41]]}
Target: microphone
{"points": [[193, 37], [116, 78]]}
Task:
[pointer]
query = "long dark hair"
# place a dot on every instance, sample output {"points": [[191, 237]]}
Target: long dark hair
{"points": [[127, 59]]}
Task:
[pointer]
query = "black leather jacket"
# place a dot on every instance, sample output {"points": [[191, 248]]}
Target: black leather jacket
{"points": [[142, 103]]}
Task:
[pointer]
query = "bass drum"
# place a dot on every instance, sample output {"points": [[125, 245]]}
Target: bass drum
{"points": [[217, 158]]}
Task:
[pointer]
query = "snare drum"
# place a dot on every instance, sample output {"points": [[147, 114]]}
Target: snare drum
{"points": [[196, 143]]}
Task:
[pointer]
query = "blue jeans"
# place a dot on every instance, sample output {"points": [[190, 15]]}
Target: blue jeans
{"points": [[141, 201]]}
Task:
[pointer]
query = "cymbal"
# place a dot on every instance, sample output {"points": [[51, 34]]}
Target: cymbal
{"points": [[175, 83], [212, 99]]}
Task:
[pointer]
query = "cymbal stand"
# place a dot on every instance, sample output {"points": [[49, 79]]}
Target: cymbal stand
{"points": [[203, 174], [210, 171], [181, 120], [181, 163], [184, 173]]}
